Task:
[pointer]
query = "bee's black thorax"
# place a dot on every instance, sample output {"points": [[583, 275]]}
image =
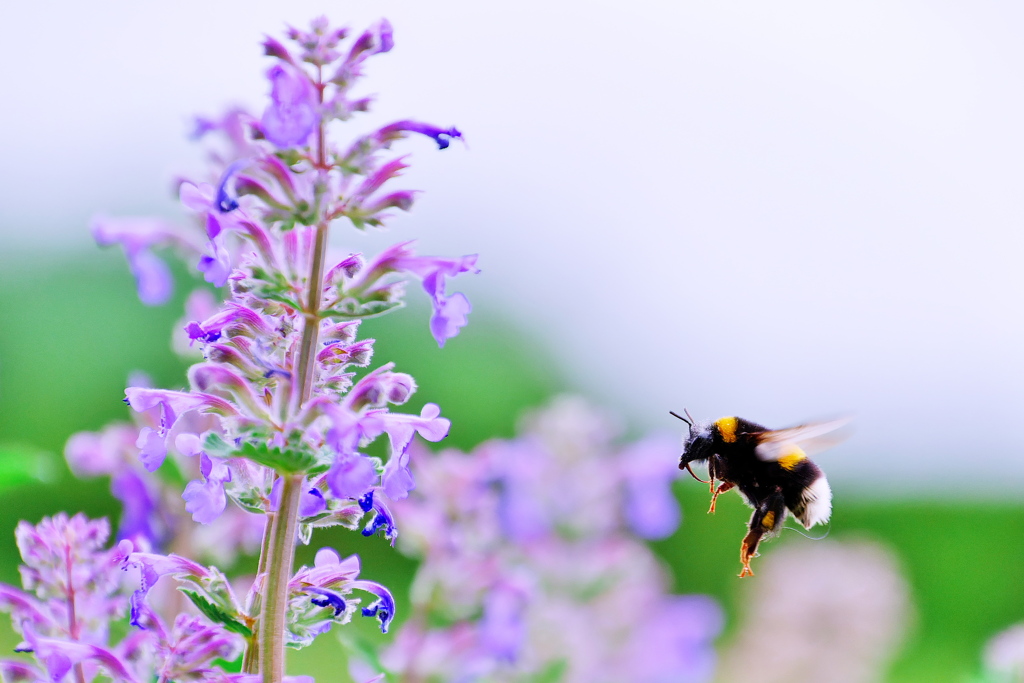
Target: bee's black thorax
{"points": [[732, 457]]}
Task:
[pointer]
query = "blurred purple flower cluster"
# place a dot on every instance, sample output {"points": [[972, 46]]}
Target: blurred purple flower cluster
{"points": [[531, 564], [74, 591]]}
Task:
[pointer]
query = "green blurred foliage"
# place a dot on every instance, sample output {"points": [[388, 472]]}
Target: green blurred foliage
{"points": [[72, 330]]}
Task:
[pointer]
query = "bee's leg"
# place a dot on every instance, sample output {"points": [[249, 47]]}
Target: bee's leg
{"points": [[768, 517], [716, 468], [726, 485]]}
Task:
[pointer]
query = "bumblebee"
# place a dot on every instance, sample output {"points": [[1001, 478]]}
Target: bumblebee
{"points": [[769, 469]]}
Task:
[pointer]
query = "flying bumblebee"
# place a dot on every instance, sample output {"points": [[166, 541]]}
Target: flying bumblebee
{"points": [[769, 469]]}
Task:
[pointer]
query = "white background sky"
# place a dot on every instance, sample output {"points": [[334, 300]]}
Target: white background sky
{"points": [[782, 210]]}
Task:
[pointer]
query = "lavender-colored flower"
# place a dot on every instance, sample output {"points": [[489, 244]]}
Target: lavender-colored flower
{"points": [[397, 479], [70, 595], [382, 519], [138, 236], [648, 472], [841, 608], [151, 567], [292, 114], [170, 405], [351, 475], [534, 536], [311, 504], [383, 607], [140, 518], [503, 628], [206, 499], [442, 136], [321, 595]]}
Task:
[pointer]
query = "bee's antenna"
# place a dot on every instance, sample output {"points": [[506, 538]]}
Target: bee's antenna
{"points": [[688, 415], [689, 422]]}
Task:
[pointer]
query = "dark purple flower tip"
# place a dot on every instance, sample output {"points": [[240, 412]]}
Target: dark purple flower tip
{"points": [[382, 519], [383, 608], [345, 269], [273, 48], [196, 332], [442, 136], [445, 137], [375, 40], [366, 502], [327, 599], [224, 201], [401, 200]]}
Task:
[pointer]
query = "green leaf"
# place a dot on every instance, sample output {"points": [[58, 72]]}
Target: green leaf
{"points": [[552, 673], [284, 461], [215, 446], [21, 465], [367, 309], [216, 614]]}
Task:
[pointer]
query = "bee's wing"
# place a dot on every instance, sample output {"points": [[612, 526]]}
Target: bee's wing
{"points": [[812, 437]]}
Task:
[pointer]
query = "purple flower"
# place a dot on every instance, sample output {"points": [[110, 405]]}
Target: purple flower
{"points": [[382, 519], [216, 268], [172, 405], [292, 114], [233, 319], [351, 476], [449, 311], [442, 136], [650, 508], [138, 236], [328, 570], [383, 607], [151, 567], [75, 586], [502, 630], [226, 201], [311, 502], [206, 500], [59, 656], [192, 646], [20, 672], [140, 513], [380, 387], [397, 479], [327, 599]]}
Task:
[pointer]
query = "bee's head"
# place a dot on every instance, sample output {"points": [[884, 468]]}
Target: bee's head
{"points": [[697, 446]]}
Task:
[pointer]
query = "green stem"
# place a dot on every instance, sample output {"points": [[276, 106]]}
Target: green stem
{"points": [[311, 325], [273, 619], [251, 660]]}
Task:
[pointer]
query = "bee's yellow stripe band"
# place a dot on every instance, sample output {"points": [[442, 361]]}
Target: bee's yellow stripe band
{"points": [[792, 458], [727, 428]]}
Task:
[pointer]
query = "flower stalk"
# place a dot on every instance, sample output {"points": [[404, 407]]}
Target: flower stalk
{"points": [[273, 618]]}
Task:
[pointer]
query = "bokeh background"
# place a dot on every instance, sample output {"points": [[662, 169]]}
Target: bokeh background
{"points": [[785, 211]]}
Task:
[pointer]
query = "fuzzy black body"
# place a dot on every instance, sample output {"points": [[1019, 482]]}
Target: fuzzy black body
{"points": [[771, 473]]}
